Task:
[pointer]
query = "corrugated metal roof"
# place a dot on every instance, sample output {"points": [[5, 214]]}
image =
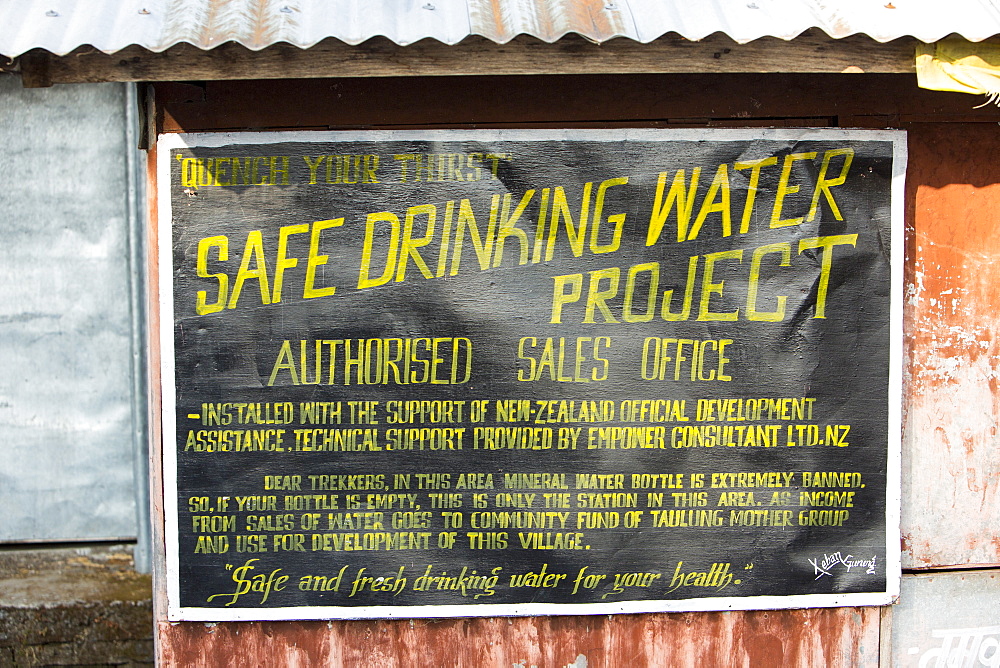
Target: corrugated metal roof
{"points": [[60, 26]]}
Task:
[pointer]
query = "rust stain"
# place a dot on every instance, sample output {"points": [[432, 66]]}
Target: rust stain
{"points": [[832, 22], [489, 18], [254, 23], [825, 636], [209, 31], [599, 20]]}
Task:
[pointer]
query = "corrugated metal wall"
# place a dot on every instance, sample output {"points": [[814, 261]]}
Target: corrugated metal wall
{"points": [[60, 26], [68, 423]]}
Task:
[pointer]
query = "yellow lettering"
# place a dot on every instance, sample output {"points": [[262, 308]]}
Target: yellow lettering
{"points": [[779, 313], [201, 305], [785, 189]]}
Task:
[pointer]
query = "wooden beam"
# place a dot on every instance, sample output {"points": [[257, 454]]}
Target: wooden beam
{"points": [[636, 100], [812, 52]]}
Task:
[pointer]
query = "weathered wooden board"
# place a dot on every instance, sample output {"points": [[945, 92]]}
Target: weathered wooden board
{"points": [[380, 57], [947, 619]]}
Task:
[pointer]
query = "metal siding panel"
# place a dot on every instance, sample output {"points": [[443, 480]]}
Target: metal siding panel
{"points": [[65, 410], [257, 24], [140, 404], [951, 462], [947, 619], [743, 21], [927, 21], [747, 20], [60, 26], [787, 638]]}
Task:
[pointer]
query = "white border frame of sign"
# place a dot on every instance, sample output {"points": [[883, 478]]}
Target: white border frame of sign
{"points": [[167, 142]]}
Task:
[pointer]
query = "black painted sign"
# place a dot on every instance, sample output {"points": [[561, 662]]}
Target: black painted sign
{"points": [[533, 372]]}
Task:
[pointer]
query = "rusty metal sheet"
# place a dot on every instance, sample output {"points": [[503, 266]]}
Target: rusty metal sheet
{"points": [[787, 638], [951, 487], [947, 619]]}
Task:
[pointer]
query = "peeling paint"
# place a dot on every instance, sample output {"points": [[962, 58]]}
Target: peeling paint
{"points": [[951, 461]]}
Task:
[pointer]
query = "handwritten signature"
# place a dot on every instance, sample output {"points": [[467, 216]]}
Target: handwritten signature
{"points": [[826, 564]]}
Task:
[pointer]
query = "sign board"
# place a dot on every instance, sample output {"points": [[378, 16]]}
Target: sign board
{"points": [[447, 373]]}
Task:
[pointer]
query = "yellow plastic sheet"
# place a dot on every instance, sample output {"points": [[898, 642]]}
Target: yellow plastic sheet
{"points": [[960, 66]]}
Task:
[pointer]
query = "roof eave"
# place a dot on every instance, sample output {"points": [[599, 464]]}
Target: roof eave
{"points": [[810, 52]]}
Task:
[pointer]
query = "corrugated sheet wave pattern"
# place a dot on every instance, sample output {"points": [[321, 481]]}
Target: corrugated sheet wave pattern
{"points": [[60, 26]]}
